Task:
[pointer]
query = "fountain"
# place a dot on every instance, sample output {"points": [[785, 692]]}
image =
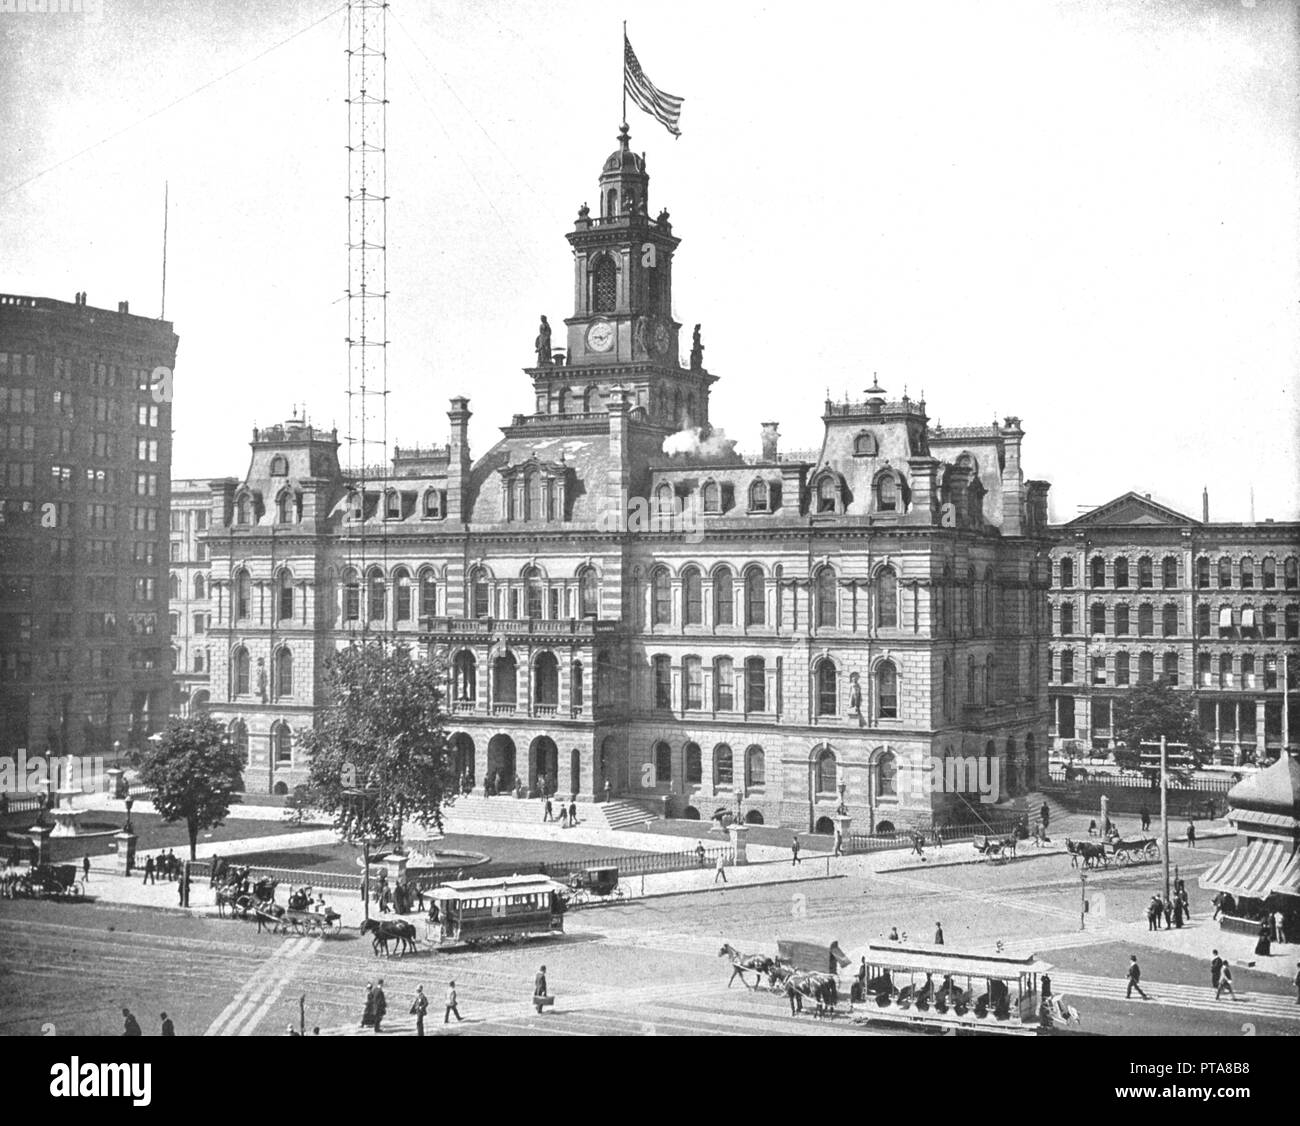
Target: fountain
{"points": [[65, 817]]}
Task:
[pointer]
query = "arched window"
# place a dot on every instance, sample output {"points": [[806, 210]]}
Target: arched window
{"points": [[351, 596], [1202, 620], [1203, 573], [887, 493], [1067, 572], [1067, 617], [827, 598], [663, 763], [1146, 620], [827, 688], [1098, 572], [286, 509], [694, 764], [1146, 577], [284, 672], [692, 597], [1121, 572], [283, 745], [693, 683], [279, 466], [723, 774], [990, 603], [755, 597], [827, 773], [356, 510], [588, 593], [1292, 622], [755, 767], [1121, 620], [1268, 573], [949, 690], [1169, 619], [887, 689], [611, 203], [971, 698], [481, 593], [758, 496], [724, 599], [546, 680], [534, 507], [243, 596], [864, 445], [241, 667], [464, 682], [402, 599], [198, 586], [1290, 574], [428, 594], [604, 279], [724, 684], [433, 506], [887, 775], [665, 501], [377, 598], [1247, 573], [1098, 610], [243, 510], [887, 598], [827, 494], [239, 739], [1225, 572], [949, 622], [971, 595], [1170, 670], [1268, 616], [534, 593], [712, 497], [661, 598], [1169, 572], [284, 597], [174, 587], [505, 679]]}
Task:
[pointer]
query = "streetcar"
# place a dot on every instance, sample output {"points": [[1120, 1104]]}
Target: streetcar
{"points": [[469, 912]]}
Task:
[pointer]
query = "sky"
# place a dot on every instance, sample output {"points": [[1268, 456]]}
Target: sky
{"points": [[1083, 214]]}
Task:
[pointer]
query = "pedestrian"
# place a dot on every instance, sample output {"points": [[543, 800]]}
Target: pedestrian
{"points": [[1186, 902], [607, 790], [420, 1006], [168, 1028], [182, 886], [1145, 814], [1047, 986], [1178, 913], [130, 1026], [862, 980], [1216, 971], [85, 869], [1167, 908], [794, 850], [839, 843], [1264, 947], [381, 1004], [1191, 834], [893, 934], [1134, 976], [918, 845], [1092, 827], [539, 989], [699, 852], [149, 871], [1153, 914], [548, 811], [1046, 814], [573, 814], [1218, 905], [938, 934], [1225, 982], [1279, 934], [291, 1031], [451, 1004], [564, 818], [368, 1014], [720, 869]]}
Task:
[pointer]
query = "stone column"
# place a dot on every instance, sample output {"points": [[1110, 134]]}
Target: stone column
{"points": [[738, 835], [125, 852], [844, 824]]}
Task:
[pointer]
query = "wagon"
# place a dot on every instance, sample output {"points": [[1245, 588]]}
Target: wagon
{"points": [[594, 885], [1139, 851], [51, 881], [319, 923]]}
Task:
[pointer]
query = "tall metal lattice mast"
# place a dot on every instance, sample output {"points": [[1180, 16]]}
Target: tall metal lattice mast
{"points": [[367, 435]]}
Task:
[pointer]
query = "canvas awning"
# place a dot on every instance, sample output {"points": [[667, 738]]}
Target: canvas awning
{"points": [[1225, 618], [1287, 881], [1250, 871], [1248, 618]]}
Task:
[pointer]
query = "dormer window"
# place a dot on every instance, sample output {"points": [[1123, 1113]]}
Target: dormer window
{"points": [[826, 495], [392, 505], [864, 445], [887, 494], [244, 510], [279, 466], [434, 504], [712, 497], [758, 496], [286, 508], [355, 506]]}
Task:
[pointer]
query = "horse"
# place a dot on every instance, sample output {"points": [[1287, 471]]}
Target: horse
{"points": [[741, 964], [1072, 848], [990, 849], [820, 988], [390, 930], [1093, 853]]}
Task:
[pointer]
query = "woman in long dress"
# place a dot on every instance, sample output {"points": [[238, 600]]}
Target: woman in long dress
{"points": [[1264, 946], [368, 1016]]}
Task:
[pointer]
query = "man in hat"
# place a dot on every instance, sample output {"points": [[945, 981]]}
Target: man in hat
{"points": [[539, 988], [451, 1004], [381, 1003], [420, 1006]]}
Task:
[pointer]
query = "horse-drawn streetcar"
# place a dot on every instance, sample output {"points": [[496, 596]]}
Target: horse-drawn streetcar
{"points": [[468, 912]]}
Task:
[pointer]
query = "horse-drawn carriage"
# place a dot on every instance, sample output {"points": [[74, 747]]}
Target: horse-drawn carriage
{"points": [[595, 885], [1094, 854], [50, 881], [802, 970], [997, 849]]}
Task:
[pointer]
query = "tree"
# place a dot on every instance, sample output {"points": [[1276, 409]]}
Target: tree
{"points": [[194, 774], [381, 731], [1148, 711]]}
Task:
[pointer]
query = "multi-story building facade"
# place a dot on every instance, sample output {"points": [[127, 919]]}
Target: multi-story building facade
{"points": [[85, 441], [778, 633], [1141, 592], [189, 610]]}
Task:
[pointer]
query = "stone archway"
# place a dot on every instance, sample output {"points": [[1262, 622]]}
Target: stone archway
{"points": [[543, 765], [199, 702], [501, 764], [462, 752]]}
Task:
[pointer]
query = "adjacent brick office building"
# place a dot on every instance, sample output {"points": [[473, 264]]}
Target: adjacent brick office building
{"points": [[187, 591], [85, 445], [845, 615]]}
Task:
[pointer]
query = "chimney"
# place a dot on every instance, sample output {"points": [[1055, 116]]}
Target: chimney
{"points": [[1014, 516], [458, 463], [1205, 505], [123, 306], [925, 491], [769, 440]]}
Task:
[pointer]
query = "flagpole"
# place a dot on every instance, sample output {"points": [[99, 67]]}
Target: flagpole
{"points": [[624, 57]]}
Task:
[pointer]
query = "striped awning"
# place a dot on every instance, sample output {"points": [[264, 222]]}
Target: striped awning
{"points": [[1250, 871], [1287, 881]]}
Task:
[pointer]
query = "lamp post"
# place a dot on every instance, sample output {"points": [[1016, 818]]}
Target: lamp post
{"points": [[1083, 900], [130, 801]]}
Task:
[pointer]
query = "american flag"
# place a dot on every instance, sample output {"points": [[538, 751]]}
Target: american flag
{"points": [[665, 107]]}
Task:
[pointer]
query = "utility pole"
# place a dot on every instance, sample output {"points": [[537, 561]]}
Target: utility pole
{"points": [[1164, 806], [1083, 899]]}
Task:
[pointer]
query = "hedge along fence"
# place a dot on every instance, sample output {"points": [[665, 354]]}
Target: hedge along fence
{"points": [[1085, 797]]}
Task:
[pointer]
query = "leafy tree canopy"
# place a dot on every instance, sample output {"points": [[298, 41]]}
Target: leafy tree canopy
{"points": [[1148, 711], [194, 774], [381, 731]]}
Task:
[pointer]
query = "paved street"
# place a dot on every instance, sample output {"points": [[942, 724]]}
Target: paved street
{"points": [[648, 967]]}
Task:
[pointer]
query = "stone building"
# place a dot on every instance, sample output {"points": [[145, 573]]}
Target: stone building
{"points": [[1140, 592], [85, 452], [626, 604], [189, 573]]}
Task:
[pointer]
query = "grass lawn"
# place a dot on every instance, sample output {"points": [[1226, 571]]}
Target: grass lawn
{"points": [[342, 858]]}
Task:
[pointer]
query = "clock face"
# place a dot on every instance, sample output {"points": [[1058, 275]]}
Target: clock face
{"points": [[600, 336], [662, 338]]}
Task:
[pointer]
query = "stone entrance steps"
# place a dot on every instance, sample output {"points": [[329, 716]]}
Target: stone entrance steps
{"points": [[528, 811]]}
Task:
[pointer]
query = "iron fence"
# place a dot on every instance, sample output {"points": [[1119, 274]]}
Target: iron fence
{"points": [[1138, 781], [949, 833]]}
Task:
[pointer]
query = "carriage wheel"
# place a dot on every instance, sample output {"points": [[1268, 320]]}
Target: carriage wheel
{"points": [[1152, 851], [1123, 859]]}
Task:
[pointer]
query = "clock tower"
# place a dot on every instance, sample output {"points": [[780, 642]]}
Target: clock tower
{"points": [[622, 332]]}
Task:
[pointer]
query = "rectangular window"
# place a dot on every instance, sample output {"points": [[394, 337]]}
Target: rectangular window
{"points": [[1067, 666], [144, 590], [724, 680], [663, 675], [146, 415], [1099, 670], [694, 677], [1121, 669], [755, 685]]}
